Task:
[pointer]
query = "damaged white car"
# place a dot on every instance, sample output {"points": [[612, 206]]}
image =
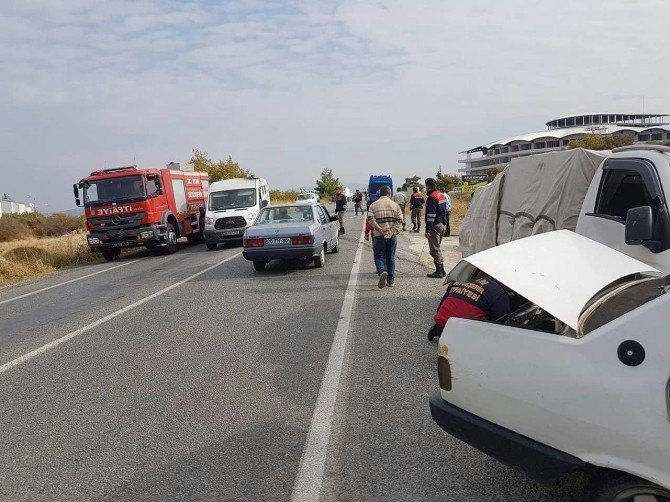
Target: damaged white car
{"points": [[576, 379]]}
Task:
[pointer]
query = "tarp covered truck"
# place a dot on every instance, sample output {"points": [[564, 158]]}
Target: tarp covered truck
{"points": [[616, 198], [129, 207]]}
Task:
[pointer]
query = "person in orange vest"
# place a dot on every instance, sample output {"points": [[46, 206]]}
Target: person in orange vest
{"points": [[436, 224]]}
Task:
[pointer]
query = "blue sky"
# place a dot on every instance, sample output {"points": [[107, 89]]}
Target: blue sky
{"points": [[288, 88]]}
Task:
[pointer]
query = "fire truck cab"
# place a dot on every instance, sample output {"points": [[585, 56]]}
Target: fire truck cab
{"points": [[130, 207]]}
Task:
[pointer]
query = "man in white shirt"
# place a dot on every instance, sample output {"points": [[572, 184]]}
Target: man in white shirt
{"points": [[401, 199]]}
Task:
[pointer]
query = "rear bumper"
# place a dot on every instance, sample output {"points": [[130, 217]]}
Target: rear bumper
{"points": [[540, 462], [126, 238], [215, 236], [298, 253]]}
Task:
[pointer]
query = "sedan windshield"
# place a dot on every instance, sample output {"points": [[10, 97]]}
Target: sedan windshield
{"points": [[119, 189], [232, 199], [285, 214]]}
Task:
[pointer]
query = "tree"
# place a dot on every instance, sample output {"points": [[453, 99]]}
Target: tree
{"points": [[600, 142], [412, 182], [327, 185], [447, 181], [492, 173], [221, 170]]}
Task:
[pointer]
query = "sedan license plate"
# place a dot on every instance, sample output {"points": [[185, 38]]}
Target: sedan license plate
{"points": [[120, 244], [232, 232], [280, 240]]}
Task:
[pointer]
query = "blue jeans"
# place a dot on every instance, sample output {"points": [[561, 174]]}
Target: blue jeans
{"points": [[384, 252]]}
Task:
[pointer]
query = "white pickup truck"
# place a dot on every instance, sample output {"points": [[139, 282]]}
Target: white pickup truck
{"points": [[576, 380]]}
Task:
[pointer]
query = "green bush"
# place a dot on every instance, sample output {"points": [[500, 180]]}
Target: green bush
{"points": [[599, 142]]}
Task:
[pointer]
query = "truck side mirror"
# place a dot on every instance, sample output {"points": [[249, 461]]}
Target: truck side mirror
{"points": [[264, 203], [75, 190], [639, 225]]}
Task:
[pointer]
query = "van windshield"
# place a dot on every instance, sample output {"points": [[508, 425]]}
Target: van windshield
{"points": [[232, 199]]}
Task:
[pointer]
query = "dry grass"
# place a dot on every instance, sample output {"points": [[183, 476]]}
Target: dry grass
{"points": [[30, 257], [459, 206]]}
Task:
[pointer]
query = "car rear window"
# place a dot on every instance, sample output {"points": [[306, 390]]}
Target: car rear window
{"points": [[284, 214]]}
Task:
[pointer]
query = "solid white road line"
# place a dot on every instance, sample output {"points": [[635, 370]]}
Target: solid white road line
{"points": [[309, 480], [66, 282], [34, 353]]}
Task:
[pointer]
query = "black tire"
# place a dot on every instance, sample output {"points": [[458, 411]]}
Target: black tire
{"points": [[624, 488], [199, 236], [259, 265], [170, 239], [212, 246], [320, 259], [111, 254], [336, 247]]}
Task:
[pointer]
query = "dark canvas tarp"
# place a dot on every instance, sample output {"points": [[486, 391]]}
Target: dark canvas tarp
{"points": [[535, 194]]}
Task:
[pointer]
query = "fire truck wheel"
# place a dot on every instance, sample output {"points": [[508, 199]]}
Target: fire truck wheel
{"points": [[111, 254], [199, 236], [170, 239], [212, 246]]}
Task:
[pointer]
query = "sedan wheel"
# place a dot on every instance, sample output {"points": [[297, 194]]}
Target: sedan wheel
{"points": [[335, 248], [625, 488], [259, 265], [320, 259]]}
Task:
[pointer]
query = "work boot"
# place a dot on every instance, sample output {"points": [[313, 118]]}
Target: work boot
{"points": [[438, 274], [435, 275]]}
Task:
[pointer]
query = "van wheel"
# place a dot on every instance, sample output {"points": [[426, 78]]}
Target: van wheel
{"points": [[627, 488], [170, 239], [320, 259], [259, 265], [212, 246], [111, 254]]}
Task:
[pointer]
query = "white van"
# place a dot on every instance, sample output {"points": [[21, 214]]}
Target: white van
{"points": [[232, 205]]}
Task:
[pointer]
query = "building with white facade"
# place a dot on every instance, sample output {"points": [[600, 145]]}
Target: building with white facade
{"points": [[559, 133], [10, 206]]}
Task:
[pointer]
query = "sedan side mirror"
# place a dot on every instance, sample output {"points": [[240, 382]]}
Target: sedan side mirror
{"points": [[639, 225]]}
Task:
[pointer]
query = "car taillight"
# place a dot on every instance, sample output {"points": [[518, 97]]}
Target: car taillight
{"points": [[301, 239], [254, 243]]}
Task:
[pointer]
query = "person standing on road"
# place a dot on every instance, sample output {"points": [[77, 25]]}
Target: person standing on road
{"points": [[401, 199], [447, 231], [385, 218], [358, 198], [340, 208], [415, 206], [436, 219]]}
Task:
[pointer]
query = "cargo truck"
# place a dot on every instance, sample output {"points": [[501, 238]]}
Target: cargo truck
{"points": [[129, 207]]}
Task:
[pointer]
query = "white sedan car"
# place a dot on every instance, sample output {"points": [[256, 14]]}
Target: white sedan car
{"points": [[576, 379]]}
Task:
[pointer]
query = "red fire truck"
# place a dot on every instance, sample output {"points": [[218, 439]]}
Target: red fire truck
{"points": [[129, 207]]}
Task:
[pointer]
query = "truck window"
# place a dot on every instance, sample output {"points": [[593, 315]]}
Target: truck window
{"points": [[620, 191]]}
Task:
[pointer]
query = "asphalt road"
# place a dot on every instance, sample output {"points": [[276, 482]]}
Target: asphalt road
{"points": [[174, 386]]}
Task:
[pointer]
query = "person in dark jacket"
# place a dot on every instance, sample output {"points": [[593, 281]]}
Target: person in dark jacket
{"points": [[483, 298], [436, 223], [416, 202], [358, 199], [340, 208]]}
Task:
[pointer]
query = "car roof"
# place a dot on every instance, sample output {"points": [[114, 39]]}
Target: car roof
{"points": [[294, 204]]}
